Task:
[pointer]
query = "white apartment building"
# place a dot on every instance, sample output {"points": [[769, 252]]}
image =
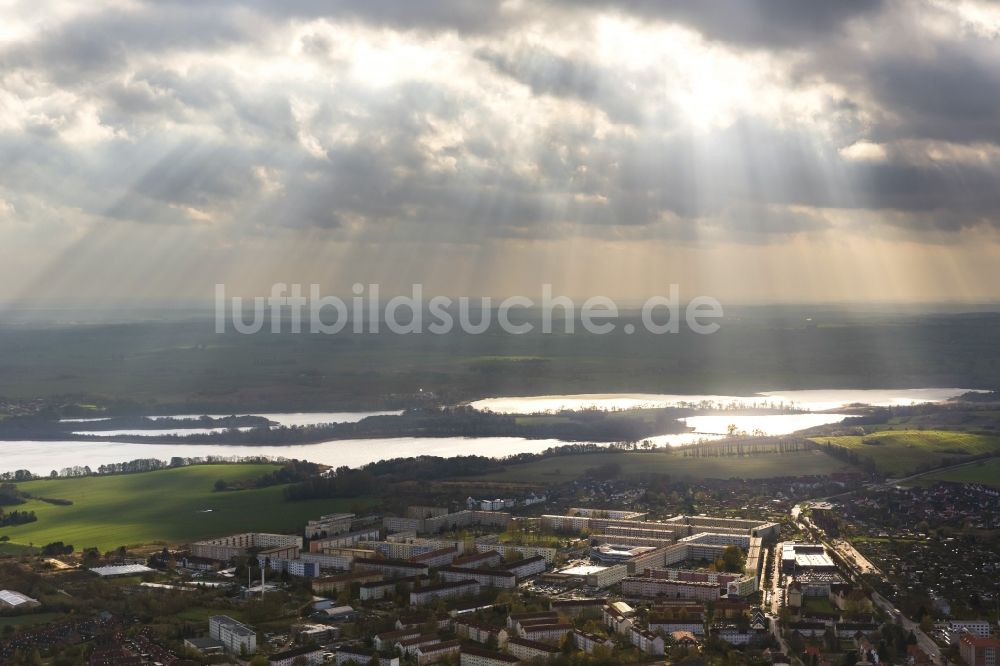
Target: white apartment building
{"points": [[344, 540], [587, 642], [426, 595], [296, 656], [481, 633], [640, 586], [529, 566], [471, 656], [485, 577], [358, 655], [432, 654], [646, 641], [607, 577], [545, 633], [391, 568], [528, 650], [548, 554], [330, 524], [238, 638], [979, 628], [236, 545], [329, 561]]}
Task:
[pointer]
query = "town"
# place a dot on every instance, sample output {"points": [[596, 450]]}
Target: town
{"points": [[492, 581]]}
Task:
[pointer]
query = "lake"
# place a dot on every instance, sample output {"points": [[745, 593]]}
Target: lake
{"points": [[42, 457], [816, 400]]}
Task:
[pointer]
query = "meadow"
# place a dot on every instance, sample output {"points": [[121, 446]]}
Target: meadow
{"points": [[170, 506], [561, 469], [904, 452]]}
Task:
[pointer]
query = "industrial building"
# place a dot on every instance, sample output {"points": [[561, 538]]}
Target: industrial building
{"points": [[800, 557], [11, 600], [616, 553], [121, 570]]}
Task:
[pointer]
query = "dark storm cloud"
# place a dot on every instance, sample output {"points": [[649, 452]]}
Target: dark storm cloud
{"points": [[759, 22], [953, 95], [97, 44], [459, 15], [762, 23]]}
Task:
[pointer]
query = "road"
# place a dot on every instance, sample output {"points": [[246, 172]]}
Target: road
{"points": [[923, 640], [776, 598], [859, 565]]}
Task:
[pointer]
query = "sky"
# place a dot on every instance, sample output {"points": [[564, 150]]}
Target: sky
{"points": [[754, 151]]}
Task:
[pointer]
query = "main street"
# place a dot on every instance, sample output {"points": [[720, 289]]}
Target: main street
{"points": [[858, 565]]}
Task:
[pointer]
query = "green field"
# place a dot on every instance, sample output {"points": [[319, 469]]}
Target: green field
{"points": [[29, 620], [560, 469], [7, 548], [902, 452], [173, 506], [986, 472]]}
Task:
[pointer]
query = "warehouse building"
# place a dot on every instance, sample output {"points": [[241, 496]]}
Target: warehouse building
{"points": [[11, 600]]}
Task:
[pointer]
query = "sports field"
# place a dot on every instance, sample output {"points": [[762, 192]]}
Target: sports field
{"points": [[560, 469], [172, 506], [902, 452]]}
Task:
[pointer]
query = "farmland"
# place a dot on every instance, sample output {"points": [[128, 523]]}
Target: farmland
{"points": [[902, 452], [986, 472], [169, 506], [561, 469]]}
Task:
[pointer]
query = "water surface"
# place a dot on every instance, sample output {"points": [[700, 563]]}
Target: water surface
{"points": [[806, 400], [43, 457]]}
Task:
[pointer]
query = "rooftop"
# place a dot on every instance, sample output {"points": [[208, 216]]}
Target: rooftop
{"points": [[236, 627], [15, 599], [121, 570]]}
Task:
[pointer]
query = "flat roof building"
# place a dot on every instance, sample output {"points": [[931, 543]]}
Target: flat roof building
{"points": [[296, 656], [121, 570], [426, 595], [236, 545], [237, 637], [9, 599]]}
